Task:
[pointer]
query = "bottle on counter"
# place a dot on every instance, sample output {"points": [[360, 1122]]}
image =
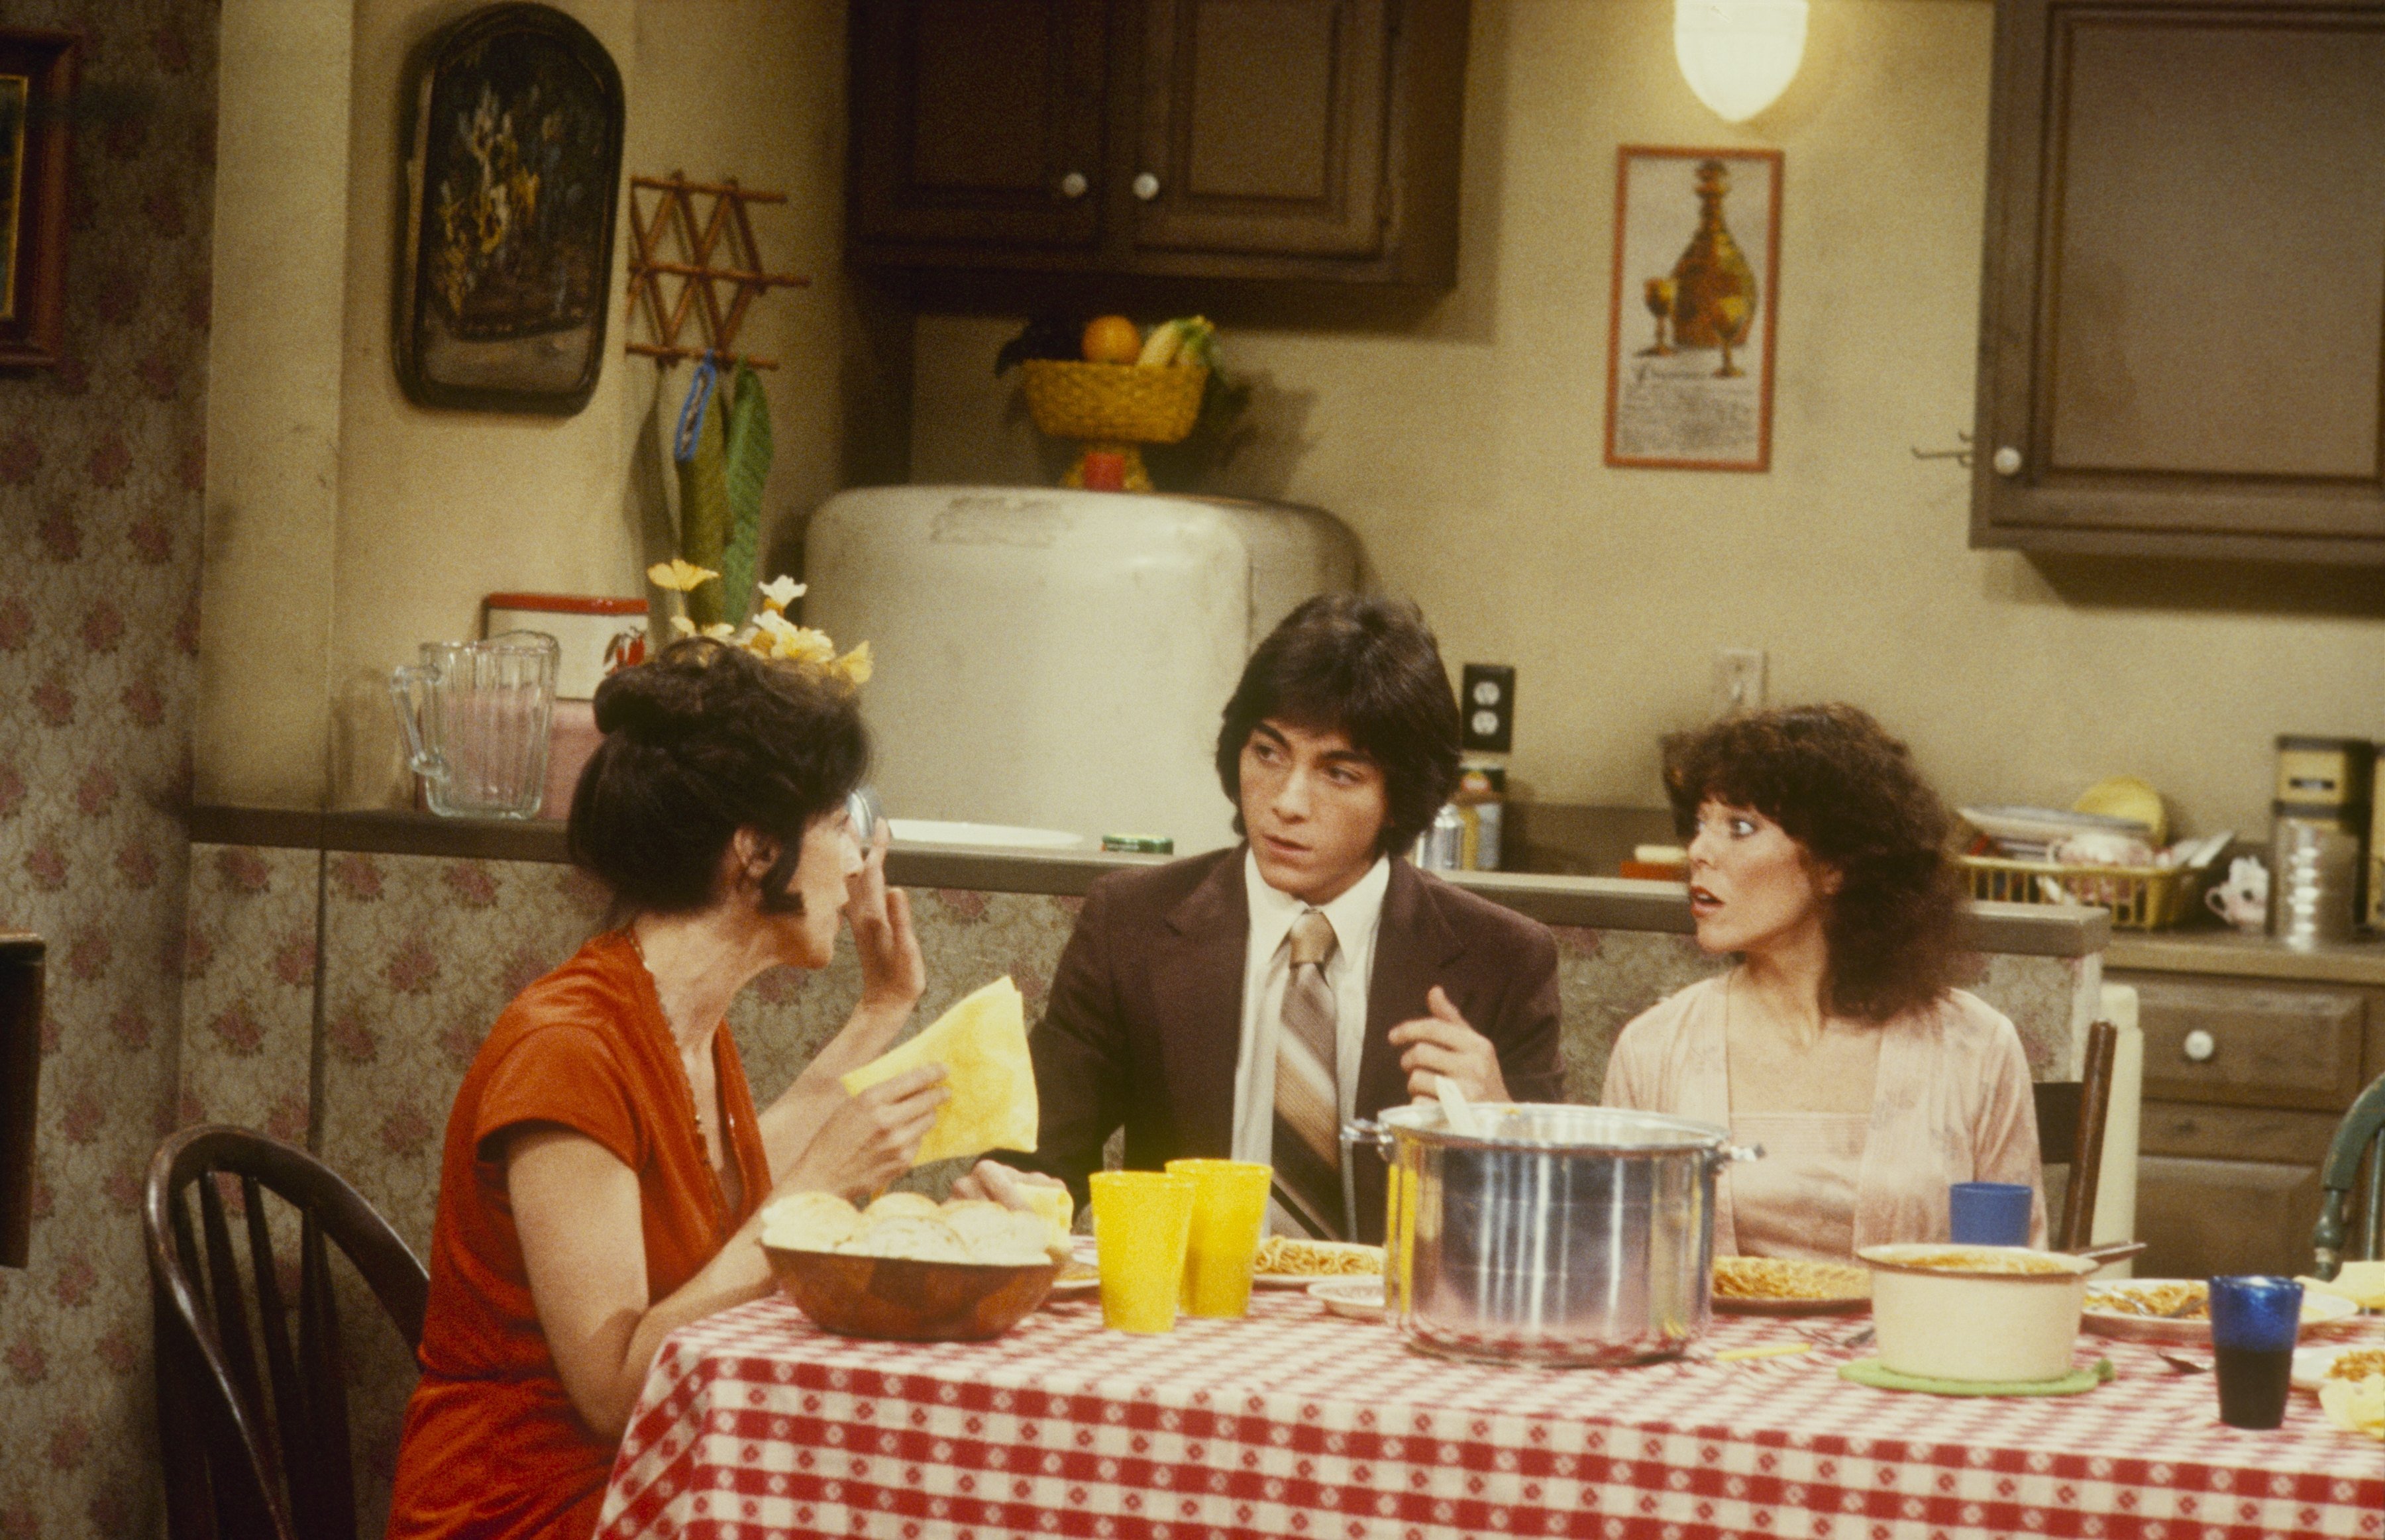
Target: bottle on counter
{"points": [[1481, 806]]}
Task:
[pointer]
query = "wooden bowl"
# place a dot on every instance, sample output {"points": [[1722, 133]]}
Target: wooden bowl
{"points": [[895, 1299]]}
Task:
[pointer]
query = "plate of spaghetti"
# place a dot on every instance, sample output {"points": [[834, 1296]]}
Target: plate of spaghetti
{"points": [[1789, 1285], [1285, 1262]]}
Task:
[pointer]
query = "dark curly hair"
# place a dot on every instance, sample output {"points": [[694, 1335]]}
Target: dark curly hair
{"points": [[1366, 667], [699, 743], [1850, 796]]}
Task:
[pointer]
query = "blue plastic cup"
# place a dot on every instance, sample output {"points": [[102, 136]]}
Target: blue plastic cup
{"points": [[2254, 1321], [1988, 1213]]}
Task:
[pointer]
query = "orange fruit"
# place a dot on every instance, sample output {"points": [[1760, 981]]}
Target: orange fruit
{"points": [[1112, 339]]}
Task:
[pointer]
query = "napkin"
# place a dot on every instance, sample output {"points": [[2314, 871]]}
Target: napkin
{"points": [[2361, 1282]]}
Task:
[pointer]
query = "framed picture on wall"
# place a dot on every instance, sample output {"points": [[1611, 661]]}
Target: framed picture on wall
{"points": [[511, 181], [1690, 329], [37, 81]]}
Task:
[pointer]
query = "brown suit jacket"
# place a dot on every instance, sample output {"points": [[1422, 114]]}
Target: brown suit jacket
{"points": [[1146, 1021]]}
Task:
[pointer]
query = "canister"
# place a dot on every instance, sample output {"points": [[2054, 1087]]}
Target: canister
{"points": [[2324, 806], [1441, 847]]}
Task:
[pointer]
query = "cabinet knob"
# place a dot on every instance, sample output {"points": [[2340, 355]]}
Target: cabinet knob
{"points": [[1146, 186], [2006, 461], [2198, 1047], [1073, 185]]}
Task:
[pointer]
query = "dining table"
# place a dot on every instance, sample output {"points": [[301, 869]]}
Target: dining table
{"points": [[1293, 1421]]}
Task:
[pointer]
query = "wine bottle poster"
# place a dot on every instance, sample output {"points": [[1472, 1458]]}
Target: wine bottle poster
{"points": [[1690, 330]]}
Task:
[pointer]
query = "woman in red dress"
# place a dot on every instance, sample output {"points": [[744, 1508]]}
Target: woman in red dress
{"points": [[605, 1165]]}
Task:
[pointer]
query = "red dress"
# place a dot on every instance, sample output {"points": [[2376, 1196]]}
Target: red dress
{"points": [[492, 1448]]}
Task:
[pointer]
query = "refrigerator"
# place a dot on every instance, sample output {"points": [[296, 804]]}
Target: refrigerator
{"points": [[1057, 660]]}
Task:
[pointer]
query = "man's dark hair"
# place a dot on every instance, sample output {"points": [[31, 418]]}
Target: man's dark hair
{"points": [[1369, 669], [1851, 796], [701, 742]]}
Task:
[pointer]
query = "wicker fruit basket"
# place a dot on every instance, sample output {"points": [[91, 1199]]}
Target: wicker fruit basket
{"points": [[1114, 402], [2141, 898], [1114, 408]]}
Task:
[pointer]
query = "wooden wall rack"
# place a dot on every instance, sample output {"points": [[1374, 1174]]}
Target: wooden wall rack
{"points": [[725, 230]]}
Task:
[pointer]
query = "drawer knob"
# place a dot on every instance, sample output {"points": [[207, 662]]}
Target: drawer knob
{"points": [[1073, 185], [2198, 1047], [2006, 461], [1146, 186]]}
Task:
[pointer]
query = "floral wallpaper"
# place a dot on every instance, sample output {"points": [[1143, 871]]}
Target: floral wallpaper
{"points": [[102, 462]]}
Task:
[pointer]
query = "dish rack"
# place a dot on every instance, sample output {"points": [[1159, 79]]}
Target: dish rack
{"points": [[2141, 898]]}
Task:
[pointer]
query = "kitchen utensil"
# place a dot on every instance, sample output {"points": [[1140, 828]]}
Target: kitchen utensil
{"points": [[898, 1299], [1230, 1200], [2254, 1321], [1988, 1213], [1982, 1312], [1453, 1103], [1557, 1234], [2107, 1253], [476, 716], [2180, 1362], [1142, 1220]]}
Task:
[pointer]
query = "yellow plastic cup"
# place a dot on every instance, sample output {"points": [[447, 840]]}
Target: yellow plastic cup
{"points": [[1230, 1200], [1142, 1221]]}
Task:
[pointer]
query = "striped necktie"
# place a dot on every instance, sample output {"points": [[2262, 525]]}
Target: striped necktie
{"points": [[1307, 1099]]}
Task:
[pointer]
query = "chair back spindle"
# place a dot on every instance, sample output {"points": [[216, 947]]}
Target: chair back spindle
{"points": [[2355, 1158], [250, 1452]]}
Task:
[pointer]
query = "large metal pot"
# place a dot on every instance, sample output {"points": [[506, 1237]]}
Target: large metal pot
{"points": [[1557, 1234]]}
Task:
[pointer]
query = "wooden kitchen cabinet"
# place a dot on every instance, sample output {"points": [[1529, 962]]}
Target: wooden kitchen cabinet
{"points": [[1313, 140], [2182, 329], [2244, 1082]]}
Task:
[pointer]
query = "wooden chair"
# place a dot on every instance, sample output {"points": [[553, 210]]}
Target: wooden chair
{"points": [[21, 1080], [251, 1457], [2361, 1134], [2070, 1119]]}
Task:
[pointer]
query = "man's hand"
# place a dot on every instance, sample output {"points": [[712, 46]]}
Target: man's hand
{"points": [[1443, 1043], [991, 1179]]}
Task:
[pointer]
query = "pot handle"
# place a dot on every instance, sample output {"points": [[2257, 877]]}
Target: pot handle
{"points": [[1366, 1131], [1731, 1154]]}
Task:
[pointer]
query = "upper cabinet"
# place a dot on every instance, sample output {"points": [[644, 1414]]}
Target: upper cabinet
{"points": [[1220, 139], [2182, 332]]}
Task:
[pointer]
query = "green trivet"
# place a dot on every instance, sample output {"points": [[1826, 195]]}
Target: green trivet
{"points": [[1870, 1372]]}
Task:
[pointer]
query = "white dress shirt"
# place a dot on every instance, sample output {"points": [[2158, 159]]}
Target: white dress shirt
{"points": [[1355, 914]]}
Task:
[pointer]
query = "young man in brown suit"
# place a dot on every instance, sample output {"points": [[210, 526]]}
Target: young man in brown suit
{"points": [[1245, 1003]]}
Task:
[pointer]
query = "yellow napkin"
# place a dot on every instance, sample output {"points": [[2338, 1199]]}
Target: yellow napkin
{"points": [[2355, 1406], [981, 1042], [2361, 1282]]}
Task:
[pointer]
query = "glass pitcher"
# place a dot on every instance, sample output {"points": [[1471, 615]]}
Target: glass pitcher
{"points": [[476, 716]]}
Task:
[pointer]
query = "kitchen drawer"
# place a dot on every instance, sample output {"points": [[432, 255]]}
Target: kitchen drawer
{"points": [[2250, 1045], [2199, 1218], [2235, 1133]]}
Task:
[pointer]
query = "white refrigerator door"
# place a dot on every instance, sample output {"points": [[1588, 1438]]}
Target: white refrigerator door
{"points": [[1058, 659]]}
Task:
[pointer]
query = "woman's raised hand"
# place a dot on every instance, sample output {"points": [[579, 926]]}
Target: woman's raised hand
{"points": [[869, 1139], [894, 974]]}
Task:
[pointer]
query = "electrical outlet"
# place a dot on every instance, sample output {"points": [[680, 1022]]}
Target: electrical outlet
{"points": [[1486, 699], [1738, 681]]}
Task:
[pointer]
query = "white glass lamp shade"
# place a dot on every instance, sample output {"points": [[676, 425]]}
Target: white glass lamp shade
{"points": [[1738, 56]]}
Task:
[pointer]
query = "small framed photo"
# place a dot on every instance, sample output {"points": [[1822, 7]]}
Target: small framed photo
{"points": [[37, 83], [512, 177], [1690, 330]]}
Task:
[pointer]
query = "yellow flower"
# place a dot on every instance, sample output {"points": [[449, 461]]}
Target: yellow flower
{"points": [[679, 576], [792, 642], [682, 625], [719, 631], [854, 666], [779, 592]]}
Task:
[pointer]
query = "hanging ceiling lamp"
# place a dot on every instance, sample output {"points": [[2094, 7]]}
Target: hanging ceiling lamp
{"points": [[1738, 56]]}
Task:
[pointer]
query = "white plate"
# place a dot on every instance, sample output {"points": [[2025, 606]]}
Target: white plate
{"points": [[2321, 1312], [1359, 1298]]}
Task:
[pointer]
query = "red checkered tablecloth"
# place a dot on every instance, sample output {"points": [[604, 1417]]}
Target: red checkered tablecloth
{"points": [[1293, 1423]]}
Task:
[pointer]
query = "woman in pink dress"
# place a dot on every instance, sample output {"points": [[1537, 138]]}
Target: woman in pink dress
{"points": [[1836, 1040]]}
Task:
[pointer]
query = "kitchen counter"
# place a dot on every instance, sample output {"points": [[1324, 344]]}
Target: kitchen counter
{"points": [[1595, 903], [2226, 952]]}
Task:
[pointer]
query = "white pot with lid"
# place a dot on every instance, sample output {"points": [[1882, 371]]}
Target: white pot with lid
{"points": [[1978, 1314]]}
